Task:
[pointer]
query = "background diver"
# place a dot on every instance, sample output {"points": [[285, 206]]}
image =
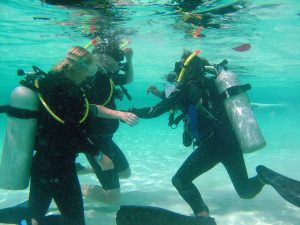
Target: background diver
{"points": [[101, 89]]}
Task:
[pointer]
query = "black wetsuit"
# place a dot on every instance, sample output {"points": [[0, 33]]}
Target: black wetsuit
{"points": [[53, 172], [101, 130], [218, 142]]}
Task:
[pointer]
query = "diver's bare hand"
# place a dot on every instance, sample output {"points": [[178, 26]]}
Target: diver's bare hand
{"points": [[154, 90], [129, 118]]}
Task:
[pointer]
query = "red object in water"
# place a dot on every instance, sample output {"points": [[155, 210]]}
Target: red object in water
{"points": [[92, 28], [242, 48]]}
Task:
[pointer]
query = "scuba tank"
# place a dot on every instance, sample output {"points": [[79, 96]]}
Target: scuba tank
{"points": [[19, 140], [18, 147], [239, 111]]}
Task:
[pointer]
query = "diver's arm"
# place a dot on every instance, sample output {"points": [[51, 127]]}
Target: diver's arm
{"points": [[162, 107], [129, 72], [126, 117]]}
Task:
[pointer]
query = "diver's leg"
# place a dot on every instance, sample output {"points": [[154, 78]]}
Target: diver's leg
{"points": [[82, 170], [109, 193], [234, 163], [125, 173], [111, 149], [200, 161], [40, 192], [98, 193], [121, 165], [67, 195]]}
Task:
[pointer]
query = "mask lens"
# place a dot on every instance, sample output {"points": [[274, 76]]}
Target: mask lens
{"points": [[178, 67], [93, 70]]}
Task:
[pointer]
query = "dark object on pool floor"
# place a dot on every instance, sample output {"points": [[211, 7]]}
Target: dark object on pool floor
{"points": [[242, 48], [149, 215], [288, 188]]}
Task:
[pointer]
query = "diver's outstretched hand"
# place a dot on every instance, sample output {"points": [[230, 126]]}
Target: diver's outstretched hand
{"points": [[129, 118], [154, 90], [288, 188]]}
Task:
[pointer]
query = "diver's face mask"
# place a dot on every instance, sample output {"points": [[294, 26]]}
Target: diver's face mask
{"points": [[92, 70], [178, 67], [172, 77], [118, 55], [77, 61]]}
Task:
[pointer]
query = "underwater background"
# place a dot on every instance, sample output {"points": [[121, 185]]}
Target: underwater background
{"points": [[33, 32]]}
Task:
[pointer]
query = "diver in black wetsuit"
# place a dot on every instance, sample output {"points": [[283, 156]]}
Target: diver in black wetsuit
{"points": [[53, 172], [101, 90], [216, 141]]}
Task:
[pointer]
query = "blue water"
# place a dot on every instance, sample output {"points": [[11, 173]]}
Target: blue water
{"points": [[158, 34]]}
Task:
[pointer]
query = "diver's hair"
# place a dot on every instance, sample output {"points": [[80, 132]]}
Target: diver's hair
{"points": [[76, 59]]}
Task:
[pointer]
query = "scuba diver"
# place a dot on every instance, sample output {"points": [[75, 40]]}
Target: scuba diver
{"points": [[55, 112], [101, 89], [209, 128]]}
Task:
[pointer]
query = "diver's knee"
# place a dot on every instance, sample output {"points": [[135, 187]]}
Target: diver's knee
{"points": [[177, 183], [125, 173], [246, 195]]}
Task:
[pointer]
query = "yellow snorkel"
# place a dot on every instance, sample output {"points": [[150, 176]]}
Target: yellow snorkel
{"points": [[94, 41], [124, 45], [186, 63]]}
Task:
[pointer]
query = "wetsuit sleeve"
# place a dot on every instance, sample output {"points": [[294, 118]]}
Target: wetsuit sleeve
{"points": [[93, 110], [162, 107]]}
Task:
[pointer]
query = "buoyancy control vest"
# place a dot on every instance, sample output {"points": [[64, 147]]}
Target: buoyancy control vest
{"points": [[65, 127], [206, 111], [197, 104]]}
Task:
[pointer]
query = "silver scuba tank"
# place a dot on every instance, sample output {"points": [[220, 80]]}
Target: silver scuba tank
{"points": [[19, 141], [239, 112]]}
